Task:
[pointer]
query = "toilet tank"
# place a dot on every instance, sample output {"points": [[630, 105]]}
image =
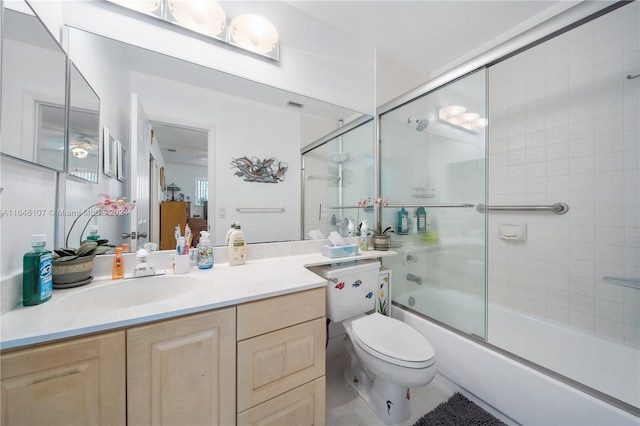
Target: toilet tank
{"points": [[352, 288]]}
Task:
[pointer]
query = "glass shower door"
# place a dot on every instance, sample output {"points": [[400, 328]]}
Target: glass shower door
{"points": [[338, 175], [432, 152]]}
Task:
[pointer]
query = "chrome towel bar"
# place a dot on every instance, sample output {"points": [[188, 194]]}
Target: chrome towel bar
{"points": [[557, 208], [260, 209]]}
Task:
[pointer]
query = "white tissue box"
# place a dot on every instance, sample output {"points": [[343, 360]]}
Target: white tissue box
{"points": [[340, 251]]}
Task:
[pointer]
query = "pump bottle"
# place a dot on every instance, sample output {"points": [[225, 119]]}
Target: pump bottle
{"points": [[205, 251], [236, 249]]}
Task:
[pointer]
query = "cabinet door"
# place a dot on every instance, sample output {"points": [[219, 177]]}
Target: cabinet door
{"points": [[77, 382], [304, 405], [273, 363], [182, 371]]}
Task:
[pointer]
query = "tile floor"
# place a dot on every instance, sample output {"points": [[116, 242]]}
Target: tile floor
{"points": [[345, 408]]}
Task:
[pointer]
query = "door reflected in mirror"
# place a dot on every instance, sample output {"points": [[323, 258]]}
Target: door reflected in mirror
{"points": [[84, 128], [33, 90]]}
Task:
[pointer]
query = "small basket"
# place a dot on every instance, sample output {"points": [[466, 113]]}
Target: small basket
{"points": [[72, 271]]}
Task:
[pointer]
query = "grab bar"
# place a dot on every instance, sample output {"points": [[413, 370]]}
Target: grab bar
{"points": [[260, 209], [557, 208], [627, 282], [428, 206]]}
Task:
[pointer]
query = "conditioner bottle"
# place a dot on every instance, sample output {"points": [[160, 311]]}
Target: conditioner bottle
{"points": [[37, 272]]}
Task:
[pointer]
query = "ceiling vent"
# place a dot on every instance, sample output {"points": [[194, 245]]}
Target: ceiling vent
{"points": [[294, 104]]}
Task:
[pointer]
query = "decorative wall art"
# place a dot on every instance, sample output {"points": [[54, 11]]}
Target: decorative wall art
{"points": [[269, 170], [110, 153], [122, 161]]}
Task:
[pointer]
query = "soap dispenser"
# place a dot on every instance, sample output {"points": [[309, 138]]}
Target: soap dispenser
{"points": [[205, 251]]}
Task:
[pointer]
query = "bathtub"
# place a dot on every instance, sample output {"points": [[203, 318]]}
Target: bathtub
{"points": [[519, 391]]}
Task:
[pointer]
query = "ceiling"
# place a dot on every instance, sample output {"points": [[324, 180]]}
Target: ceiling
{"points": [[428, 35]]}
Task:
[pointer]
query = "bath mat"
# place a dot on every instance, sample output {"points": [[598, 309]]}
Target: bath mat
{"points": [[458, 411]]}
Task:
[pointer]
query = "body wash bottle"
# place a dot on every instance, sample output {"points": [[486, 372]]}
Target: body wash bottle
{"points": [[37, 272], [422, 220]]}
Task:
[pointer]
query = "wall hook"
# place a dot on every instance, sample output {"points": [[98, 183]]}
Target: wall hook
{"points": [[629, 76]]}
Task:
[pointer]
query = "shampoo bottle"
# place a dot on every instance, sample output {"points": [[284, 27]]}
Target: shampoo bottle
{"points": [[403, 222], [117, 272], [422, 220], [237, 248], [205, 251], [37, 272]]}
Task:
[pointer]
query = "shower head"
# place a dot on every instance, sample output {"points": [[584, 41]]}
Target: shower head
{"points": [[419, 123]]}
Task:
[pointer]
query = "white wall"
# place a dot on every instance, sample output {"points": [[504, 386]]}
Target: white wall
{"points": [[564, 127], [315, 60]]}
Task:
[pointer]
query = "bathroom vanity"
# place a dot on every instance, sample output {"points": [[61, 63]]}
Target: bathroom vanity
{"points": [[241, 345]]}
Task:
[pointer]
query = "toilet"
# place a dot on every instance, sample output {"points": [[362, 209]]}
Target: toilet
{"points": [[387, 356]]}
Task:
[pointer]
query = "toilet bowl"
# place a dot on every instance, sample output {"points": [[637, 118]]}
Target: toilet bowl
{"points": [[387, 356]]}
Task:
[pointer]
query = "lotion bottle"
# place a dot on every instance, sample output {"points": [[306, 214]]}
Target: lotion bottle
{"points": [[237, 247]]}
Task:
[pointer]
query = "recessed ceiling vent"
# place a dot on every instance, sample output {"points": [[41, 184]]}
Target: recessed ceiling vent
{"points": [[294, 104]]}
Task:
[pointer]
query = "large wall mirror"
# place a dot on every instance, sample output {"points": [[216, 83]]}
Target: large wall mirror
{"points": [[200, 121], [84, 128], [33, 90]]}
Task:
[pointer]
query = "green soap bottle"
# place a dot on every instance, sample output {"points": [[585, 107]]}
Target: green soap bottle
{"points": [[37, 271]]}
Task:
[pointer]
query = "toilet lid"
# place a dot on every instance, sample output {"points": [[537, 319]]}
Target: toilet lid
{"points": [[392, 338]]}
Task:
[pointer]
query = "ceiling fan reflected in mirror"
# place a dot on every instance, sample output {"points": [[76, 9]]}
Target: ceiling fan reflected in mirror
{"points": [[81, 145]]}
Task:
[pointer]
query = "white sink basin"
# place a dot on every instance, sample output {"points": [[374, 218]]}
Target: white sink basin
{"points": [[126, 294]]}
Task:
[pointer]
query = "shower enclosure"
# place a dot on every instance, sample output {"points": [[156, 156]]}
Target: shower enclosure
{"points": [[528, 171], [337, 173]]}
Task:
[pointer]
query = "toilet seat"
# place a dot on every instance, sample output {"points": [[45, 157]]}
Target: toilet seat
{"points": [[393, 341]]}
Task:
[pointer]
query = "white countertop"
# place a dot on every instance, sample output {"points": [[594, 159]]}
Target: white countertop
{"points": [[221, 286]]}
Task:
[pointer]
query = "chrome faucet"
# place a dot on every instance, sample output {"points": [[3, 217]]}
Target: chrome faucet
{"points": [[415, 278]]}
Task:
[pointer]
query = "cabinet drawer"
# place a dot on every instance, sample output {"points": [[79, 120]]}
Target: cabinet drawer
{"points": [[76, 382], [304, 405], [274, 363], [263, 316]]}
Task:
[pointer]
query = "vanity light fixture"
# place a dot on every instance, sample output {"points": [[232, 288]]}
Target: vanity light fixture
{"points": [[202, 16], [254, 33], [457, 116], [249, 32]]}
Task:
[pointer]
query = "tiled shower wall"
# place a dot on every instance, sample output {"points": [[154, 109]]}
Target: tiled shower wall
{"points": [[564, 127]]}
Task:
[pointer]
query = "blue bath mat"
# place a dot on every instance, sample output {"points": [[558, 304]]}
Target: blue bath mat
{"points": [[458, 411]]}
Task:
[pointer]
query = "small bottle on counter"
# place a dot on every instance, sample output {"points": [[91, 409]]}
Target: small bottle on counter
{"points": [[205, 251], [37, 272], [237, 247], [117, 272]]}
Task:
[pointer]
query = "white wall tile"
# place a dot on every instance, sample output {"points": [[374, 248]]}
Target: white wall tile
{"points": [[609, 328], [582, 320], [610, 310]]}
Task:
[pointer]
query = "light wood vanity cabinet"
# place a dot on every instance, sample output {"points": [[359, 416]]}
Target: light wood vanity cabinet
{"points": [[281, 360], [261, 362], [182, 371], [75, 382]]}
